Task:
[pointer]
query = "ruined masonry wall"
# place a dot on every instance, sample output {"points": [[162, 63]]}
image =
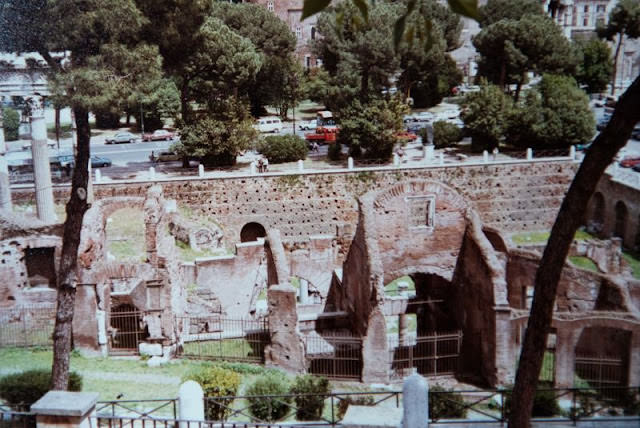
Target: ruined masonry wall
{"points": [[509, 197]]}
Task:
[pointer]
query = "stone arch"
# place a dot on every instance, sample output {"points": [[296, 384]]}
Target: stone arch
{"points": [[252, 231], [620, 225], [602, 356]]}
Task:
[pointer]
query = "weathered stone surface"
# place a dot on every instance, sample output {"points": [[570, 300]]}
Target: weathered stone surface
{"points": [[153, 349], [415, 402], [65, 403], [286, 349]]}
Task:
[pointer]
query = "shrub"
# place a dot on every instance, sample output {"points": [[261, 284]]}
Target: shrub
{"points": [[11, 123], [24, 389], [357, 400], [269, 408], [445, 134], [335, 151], [283, 148], [446, 404], [216, 382], [544, 404], [310, 407]]}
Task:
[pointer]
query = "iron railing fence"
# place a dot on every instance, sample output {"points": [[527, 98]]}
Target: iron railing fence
{"points": [[139, 408], [126, 331], [601, 370], [27, 326], [13, 419], [434, 354], [593, 405], [334, 356], [214, 337], [131, 422]]}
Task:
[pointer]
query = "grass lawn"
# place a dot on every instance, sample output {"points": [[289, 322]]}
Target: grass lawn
{"points": [[584, 263], [125, 234], [543, 237], [634, 260], [391, 289]]}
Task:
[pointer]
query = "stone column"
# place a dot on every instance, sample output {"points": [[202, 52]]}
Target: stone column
{"points": [[190, 403], [286, 350], [565, 357], [403, 328], [5, 189], [63, 409], [41, 167], [634, 359], [415, 394], [375, 350]]}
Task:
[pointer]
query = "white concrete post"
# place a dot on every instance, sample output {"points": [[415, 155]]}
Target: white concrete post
{"points": [[441, 158], [41, 168], [252, 168], [102, 331], [396, 160], [529, 154], [152, 173], [429, 152], [5, 184], [350, 162], [304, 291], [98, 175], [201, 170], [190, 403], [89, 183], [572, 152], [300, 165], [415, 398], [485, 156]]}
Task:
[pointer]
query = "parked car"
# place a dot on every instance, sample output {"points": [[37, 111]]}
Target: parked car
{"points": [[630, 161], [406, 136], [423, 116], [583, 147], [50, 143], [635, 134], [168, 157], [121, 137], [602, 122], [636, 168], [308, 125], [159, 135], [268, 124], [68, 161]]}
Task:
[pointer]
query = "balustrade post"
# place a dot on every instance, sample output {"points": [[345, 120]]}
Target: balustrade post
{"points": [[64, 409]]}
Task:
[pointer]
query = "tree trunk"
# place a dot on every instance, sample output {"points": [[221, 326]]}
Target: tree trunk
{"points": [[184, 104], [67, 281], [57, 120], [615, 63], [598, 157]]}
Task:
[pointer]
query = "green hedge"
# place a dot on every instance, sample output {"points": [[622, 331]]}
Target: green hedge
{"points": [[269, 408], [283, 148], [309, 407], [23, 389], [11, 123], [216, 382], [445, 134], [446, 404], [356, 400]]}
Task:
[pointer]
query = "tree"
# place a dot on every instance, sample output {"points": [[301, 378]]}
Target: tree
{"points": [[273, 41], [555, 114], [596, 66], [369, 129], [11, 124], [497, 10], [511, 48], [624, 20], [103, 62], [219, 135], [485, 114]]}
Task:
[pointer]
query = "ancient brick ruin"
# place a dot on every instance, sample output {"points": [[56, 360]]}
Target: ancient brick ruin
{"points": [[308, 272]]}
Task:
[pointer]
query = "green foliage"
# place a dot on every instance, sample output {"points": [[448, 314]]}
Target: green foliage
{"points": [[309, 407], [369, 129], [497, 10], [269, 408], [445, 134], [554, 115], [511, 48], [446, 403], [216, 382], [11, 123], [596, 66], [23, 389], [334, 152], [623, 19], [485, 115], [545, 403], [356, 400], [584, 263], [107, 118], [219, 136], [283, 148]]}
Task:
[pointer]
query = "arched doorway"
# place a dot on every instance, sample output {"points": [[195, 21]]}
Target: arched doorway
{"points": [[621, 220], [126, 329], [597, 213], [251, 232], [602, 357]]}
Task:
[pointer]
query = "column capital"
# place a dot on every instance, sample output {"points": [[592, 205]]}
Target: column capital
{"points": [[36, 107]]}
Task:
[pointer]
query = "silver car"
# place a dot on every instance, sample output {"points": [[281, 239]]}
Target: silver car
{"points": [[121, 137]]}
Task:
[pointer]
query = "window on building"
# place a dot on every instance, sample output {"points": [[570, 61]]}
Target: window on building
{"points": [[601, 8], [421, 211], [270, 5], [585, 21], [313, 33], [307, 61], [299, 32], [586, 9]]}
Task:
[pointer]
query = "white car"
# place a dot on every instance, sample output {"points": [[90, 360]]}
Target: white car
{"points": [[308, 125], [50, 143], [423, 116]]}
